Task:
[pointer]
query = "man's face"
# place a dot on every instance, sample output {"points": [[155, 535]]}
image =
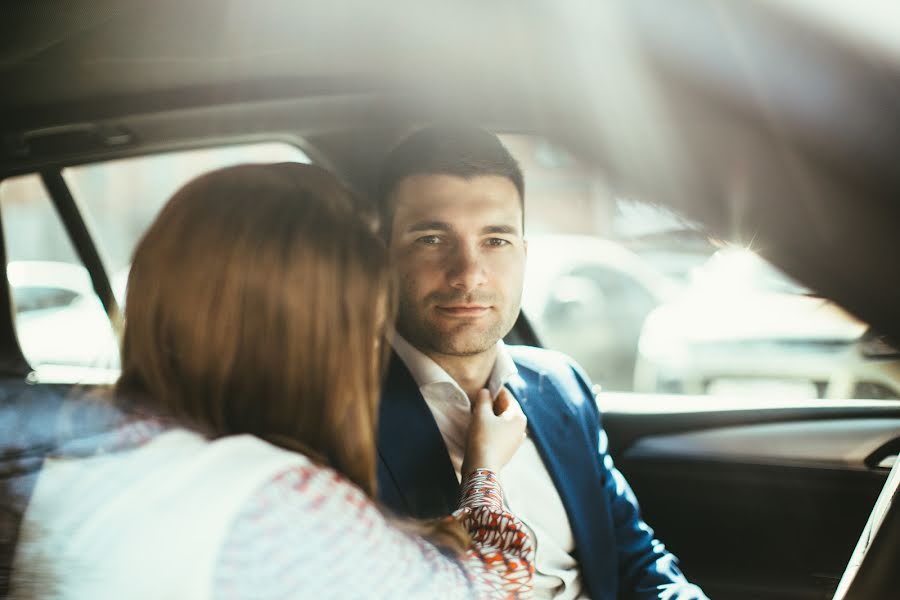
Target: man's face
{"points": [[459, 258]]}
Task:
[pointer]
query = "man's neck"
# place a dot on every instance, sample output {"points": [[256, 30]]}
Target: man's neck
{"points": [[471, 372]]}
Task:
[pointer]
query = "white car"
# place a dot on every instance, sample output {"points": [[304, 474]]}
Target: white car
{"points": [[589, 297], [60, 322], [744, 328]]}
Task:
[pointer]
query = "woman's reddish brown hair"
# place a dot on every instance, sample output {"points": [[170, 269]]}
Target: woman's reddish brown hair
{"points": [[254, 304]]}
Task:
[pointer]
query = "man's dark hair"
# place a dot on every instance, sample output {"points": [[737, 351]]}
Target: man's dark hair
{"points": [[462, 151]]}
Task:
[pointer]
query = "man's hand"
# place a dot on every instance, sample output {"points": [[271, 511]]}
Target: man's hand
{"points": [[495, 433]]}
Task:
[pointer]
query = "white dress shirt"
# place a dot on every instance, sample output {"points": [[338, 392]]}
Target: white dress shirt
{"points": [[528, 489]]}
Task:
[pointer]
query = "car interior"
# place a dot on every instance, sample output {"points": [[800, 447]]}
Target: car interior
{"points": [[770, 123]]}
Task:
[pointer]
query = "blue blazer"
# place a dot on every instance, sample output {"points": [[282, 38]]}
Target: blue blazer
{"points": [[616, 550]]}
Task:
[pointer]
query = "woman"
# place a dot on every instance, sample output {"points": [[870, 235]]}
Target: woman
{"points": [[255, 305]]}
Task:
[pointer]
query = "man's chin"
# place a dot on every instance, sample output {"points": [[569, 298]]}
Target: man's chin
{"points": [[455, 340], [464, 349], [470, 344]]}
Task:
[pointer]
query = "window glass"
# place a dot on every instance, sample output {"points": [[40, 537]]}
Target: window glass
{"points": [[646, 302], [62, 327], [60, 322], [120, 198]]}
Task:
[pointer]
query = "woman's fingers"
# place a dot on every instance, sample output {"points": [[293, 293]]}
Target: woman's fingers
{"points": [[482, 401], [502, 401], [508, 406], [496, 431]]}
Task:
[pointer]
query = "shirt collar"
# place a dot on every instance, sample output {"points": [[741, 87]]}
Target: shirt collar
{"points": [[426, 372]]}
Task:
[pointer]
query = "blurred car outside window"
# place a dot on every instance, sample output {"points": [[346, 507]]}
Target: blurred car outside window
{"points": [[646, 302], [62, 328]]}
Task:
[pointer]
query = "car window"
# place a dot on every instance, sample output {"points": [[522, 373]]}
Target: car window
{"points": [[607, 304], [62, 327], [120, 198], [740, 270], [646, 302]]}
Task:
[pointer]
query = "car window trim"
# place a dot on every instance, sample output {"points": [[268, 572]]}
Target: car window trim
{"points": [[80, 235], [12, 360]]}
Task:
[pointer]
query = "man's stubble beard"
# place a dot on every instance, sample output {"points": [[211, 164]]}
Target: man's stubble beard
{"points": [[430, 337]]}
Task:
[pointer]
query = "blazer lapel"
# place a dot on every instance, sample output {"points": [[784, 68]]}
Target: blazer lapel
{"points": [[412, 449], [568, 455], [547, 420]]}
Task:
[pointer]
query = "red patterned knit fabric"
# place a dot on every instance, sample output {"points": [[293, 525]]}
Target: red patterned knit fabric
{"points": [[309, 533], [499, 540]]}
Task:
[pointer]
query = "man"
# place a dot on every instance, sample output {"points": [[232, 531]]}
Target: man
{"points": [[451, 209]]}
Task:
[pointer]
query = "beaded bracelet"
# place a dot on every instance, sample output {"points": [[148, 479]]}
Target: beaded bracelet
{"points": [[481, 488]]}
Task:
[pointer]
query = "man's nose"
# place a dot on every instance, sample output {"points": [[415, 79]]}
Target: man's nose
{"points": [[466, 270]]}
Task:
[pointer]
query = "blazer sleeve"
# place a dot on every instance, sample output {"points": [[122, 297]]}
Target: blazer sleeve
{"points": [[647, 570]]}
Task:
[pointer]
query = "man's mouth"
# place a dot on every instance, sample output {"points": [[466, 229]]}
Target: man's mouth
{"points": [[463, 310]]}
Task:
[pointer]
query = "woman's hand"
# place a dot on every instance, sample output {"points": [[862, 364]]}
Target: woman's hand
{"points": [[495, 433]]}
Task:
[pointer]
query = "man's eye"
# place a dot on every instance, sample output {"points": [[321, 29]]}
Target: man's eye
{"points": [[429, 240], [497, 242]]}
